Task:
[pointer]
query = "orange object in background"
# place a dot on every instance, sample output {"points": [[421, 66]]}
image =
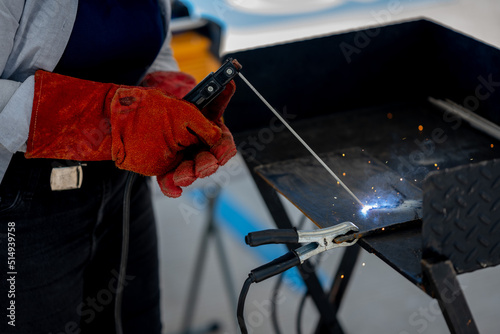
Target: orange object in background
{"points": [[192, 52]]}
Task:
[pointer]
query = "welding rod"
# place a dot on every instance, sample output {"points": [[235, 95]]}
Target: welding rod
{"points": [[300, 139]]}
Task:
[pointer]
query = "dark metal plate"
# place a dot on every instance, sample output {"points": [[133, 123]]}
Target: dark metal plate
{"points": [[462, 215], [318, 195]]}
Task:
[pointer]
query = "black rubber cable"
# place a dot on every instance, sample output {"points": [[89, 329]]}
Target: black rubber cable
{"points": [[274, 306], [241, 305], [124, 254], [300, 311]]}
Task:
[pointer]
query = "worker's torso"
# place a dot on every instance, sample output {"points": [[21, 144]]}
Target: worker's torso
{"points": [[113, 40]]}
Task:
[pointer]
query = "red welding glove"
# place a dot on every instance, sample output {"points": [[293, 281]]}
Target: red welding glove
{"points": [[140, 129], [176, 84], [205, 160]]}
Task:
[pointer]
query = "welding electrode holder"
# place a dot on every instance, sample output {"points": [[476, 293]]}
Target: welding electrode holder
{"points": [[213, 84]]}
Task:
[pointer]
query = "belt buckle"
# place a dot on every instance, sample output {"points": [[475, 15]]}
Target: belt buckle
{"points": [[66, 177]]}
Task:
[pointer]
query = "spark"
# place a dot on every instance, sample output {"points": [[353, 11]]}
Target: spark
{"points": [[341, 276], [420, 128], [366, 208], [363, 264]]}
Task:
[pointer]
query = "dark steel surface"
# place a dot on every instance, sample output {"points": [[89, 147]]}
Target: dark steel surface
{"points": [[400, 249], [412, 154], [390, 135], [314, 191], [462, 215], [386, 146]]}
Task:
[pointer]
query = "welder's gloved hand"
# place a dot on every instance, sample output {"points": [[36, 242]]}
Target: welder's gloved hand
{"points": [[176, 84], [140, 129], [205, 160]]}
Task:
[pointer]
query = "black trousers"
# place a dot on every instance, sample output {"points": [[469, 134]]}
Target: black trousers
{"points": [[66, 249]]}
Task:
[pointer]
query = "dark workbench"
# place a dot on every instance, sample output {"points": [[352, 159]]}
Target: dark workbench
{"points": [[392, 137], [373, 104]]}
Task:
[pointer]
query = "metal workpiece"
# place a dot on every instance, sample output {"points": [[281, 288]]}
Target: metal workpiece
{"points": [[322, 240]]}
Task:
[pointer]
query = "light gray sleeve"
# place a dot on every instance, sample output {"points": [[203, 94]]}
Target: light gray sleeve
{"points": [[15, 116], [165, 60], [16, 98], [10, 14], [5, 157]]}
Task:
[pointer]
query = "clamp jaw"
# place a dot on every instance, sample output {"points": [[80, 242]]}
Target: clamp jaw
{"points": [[318, 241], [321, 240]]}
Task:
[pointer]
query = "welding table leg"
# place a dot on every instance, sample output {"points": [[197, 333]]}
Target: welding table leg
{"points": [[211, 230], [341, 280], [307, 271], [442, 283]]}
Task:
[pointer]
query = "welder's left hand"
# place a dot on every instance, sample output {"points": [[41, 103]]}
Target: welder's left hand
{"points": [[176, 84], [204, 161]]}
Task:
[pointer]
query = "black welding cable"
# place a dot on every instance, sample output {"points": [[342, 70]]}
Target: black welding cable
{"points": [[300, 311], [241, 305], [124, 254], [302, 302], [274, 307], [279, 281]]}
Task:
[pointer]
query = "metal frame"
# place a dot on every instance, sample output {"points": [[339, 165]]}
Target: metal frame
{"points": [[327, 304], [211, 231], [442, 284]]}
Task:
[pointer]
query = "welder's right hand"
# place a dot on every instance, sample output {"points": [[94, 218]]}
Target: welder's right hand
{"points": [[206, 160], [140, 129]]}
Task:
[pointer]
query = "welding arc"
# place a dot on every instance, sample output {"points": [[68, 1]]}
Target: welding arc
{"points": [[300, 139]]}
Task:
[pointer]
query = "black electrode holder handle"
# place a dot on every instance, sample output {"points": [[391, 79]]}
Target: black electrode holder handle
{"points": [[213, 84], [275, 267], [276, 236]]}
